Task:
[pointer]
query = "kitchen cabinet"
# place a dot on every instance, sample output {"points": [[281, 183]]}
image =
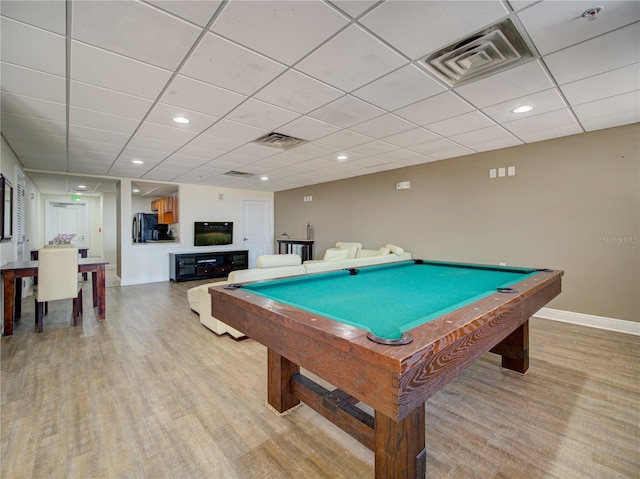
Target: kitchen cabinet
{"points": [[167, 208]]}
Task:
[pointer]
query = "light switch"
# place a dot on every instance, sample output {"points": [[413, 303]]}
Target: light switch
{"points": [[492, 173], [511, 171], [502, 172]]}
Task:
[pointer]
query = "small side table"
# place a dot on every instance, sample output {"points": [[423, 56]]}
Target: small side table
{"points": [[287, 246]]}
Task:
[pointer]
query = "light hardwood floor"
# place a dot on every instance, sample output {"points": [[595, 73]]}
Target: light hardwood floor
{"points": [[151, 393]]}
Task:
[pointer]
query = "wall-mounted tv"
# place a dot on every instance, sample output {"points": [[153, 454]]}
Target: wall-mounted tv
{"points": [[213, 233]]}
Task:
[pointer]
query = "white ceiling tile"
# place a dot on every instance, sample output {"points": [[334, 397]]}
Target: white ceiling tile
{"points": [[542, 102], [222, 63], [481, 135], [400, 88], [101, 121], [262, 115], [32, 47], [313, 149], [609, 112], [556, 25], [298, 92], [518, 5], [373, 148], [541, 127], [514, 83], [411, 137], [473, 120], [37, 108], [115, 72], [436, 108], [282, 30], [416, 160], [163, 114], [148, 156], [132, 29], [156, 131], [202, 97], [28, 136], [346, 111], [36, 125], [496, 144], [418, 27], [235, 131], [31, 83], [92, 134], [441, 149], [354, 8], [165, 147], [195, 11], [48, 14], [162, 174], [256, 151], [90, 97], [612, 83], [57, 148], [397, 155], [384, 125], [95, 146], [307, 128], [596, 56], [344, 139], [215, 143], [178, 161], [197, 151], [351, 59]]}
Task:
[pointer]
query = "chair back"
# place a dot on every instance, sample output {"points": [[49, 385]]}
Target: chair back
{"points": [[57, 273]]}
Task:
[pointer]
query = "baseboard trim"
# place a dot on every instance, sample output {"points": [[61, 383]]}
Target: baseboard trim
{"points": [[599, 322]]}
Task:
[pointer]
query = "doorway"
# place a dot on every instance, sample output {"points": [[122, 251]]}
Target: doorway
{"points": [[67, 218], [257, 229]]}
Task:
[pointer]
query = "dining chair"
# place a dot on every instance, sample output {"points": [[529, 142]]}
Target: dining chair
{"points": [[57, 279]]}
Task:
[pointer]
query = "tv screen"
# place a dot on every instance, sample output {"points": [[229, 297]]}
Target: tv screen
{"points": [[213, 233]]}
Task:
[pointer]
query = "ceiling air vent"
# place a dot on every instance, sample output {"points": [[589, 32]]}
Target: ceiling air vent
{"points": [[238, 174], [482, 54], [278, 140]]}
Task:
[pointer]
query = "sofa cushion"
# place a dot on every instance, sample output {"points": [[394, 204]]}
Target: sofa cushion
{"points": [[352, 248], [368, 253], [278, 260], [335, 254], [395, 249]]}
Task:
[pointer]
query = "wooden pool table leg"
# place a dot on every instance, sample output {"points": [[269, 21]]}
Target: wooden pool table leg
{"points": [[400, 446], [514, 349], [280, 394]]}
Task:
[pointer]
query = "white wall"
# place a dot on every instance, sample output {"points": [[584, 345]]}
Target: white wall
{"points": [[146, 263]]}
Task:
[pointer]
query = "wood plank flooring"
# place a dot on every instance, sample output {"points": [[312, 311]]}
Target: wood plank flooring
{"points": [[151, 393]]}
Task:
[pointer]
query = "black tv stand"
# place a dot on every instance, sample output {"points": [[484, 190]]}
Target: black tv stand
{"points": [[212, 264]]}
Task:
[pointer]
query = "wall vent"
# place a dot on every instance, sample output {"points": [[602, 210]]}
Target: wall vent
{"points": [[482, 54], [238, 174], [278, 140]]}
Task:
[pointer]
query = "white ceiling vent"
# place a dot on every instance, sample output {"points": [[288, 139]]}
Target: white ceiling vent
{"points": [[238, 174], [482, 54], [278, 140]]}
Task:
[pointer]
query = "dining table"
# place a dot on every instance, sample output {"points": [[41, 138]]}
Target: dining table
{"points": [[12, 274]]}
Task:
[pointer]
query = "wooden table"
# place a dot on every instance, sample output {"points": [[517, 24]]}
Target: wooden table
{"points": [[13, 272], [288, 244]]}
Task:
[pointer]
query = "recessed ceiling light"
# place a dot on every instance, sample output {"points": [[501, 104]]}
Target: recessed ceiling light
{"points": [[264, 178], [342, 157], [522, 109], [181, 119], [136, 190], [137, 162], [82, 187]]}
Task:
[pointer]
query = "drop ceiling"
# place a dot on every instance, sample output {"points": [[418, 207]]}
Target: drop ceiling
{"points": [[88, 87]]}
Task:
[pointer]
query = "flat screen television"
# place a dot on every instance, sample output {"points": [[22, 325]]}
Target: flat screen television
{"points": [[213, 233]]}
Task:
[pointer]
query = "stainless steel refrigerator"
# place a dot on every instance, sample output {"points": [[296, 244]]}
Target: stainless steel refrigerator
{"points": [[143, 227]]}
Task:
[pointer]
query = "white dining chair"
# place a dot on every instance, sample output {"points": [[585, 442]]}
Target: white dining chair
{"points": [[57, 279]]}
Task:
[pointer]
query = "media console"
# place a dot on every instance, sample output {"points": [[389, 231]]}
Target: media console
{"points": [[213, 264]]}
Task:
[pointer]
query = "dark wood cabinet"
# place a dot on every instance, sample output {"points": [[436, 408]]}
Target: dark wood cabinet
{"points": [[192, 266]]}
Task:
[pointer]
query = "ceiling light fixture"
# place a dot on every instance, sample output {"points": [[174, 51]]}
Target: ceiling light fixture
{"points": [[181, 119], [137, 162], [592, 13], [522, 109], [342, 157], [135, 190], [264, 178], [82, 187]]}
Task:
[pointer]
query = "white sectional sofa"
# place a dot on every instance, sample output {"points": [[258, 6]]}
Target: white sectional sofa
{"points": [[343, 255]]}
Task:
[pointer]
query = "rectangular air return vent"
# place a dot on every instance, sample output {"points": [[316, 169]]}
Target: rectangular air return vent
{"points": [[278, 140], [482, 54], [238, 174]]}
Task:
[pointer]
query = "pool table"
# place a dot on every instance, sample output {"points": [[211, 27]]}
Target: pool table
{"points": [[388, 336]]}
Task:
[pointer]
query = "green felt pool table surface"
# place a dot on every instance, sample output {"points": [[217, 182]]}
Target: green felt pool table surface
{"points": [[390, 299]]}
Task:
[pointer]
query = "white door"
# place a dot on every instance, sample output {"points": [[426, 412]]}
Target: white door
{"points": [[67, 218], [257, 229]]}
